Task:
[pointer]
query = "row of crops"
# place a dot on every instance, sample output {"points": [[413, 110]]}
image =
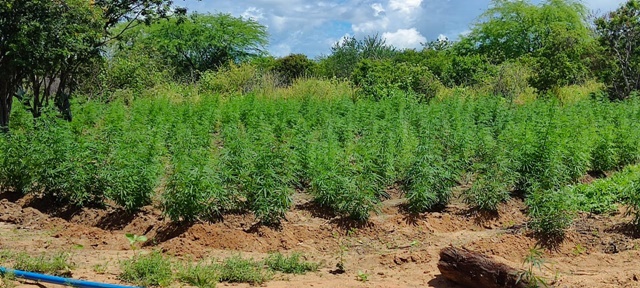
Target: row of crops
{"points": [[200, 159]]}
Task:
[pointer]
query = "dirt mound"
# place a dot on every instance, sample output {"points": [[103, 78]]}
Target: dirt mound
{"points": [[395, 249]]}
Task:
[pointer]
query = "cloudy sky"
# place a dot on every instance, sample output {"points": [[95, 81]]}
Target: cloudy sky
{"points": [[311, 27]]}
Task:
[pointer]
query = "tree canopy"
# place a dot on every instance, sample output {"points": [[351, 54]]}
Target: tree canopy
{"points": [[199, 42], [619, 35]]}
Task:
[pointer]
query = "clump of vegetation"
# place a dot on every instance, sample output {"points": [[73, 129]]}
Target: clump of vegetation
{"points": [[200, 275], [153, 269], [239, 270], [292, 264], [54, 264]]}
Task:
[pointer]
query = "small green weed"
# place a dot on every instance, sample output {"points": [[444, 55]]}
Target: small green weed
{"points": [[362, 276], [532, 262], [7, 280], [100, 268], [135, 239], [579, 250]]}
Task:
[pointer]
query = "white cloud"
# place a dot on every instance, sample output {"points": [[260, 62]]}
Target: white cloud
{"points": [[404, 38], [405, 6], [302, 26], [378, 9], [253, 13]]}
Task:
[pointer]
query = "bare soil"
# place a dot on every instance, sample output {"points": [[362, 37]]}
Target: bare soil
{"points": [[395, 249]]}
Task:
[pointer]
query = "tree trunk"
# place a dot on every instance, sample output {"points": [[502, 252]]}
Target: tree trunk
{"points": [[7, 90], [5, 111], [472, 269]]}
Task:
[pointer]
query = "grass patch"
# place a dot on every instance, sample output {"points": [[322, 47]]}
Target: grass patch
{"points": [[239, 270], [200, 275], [293, 264], [57, 264], [152, 269]]}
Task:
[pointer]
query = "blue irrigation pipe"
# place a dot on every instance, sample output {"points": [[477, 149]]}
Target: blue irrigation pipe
{"points": [[59, 280]]}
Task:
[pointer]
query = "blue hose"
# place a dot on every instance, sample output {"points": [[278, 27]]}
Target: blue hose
{"points": [[58, 280]]}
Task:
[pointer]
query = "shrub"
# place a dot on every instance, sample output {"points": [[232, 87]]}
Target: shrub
{"points": [[377, 79], [510, 81], [429, 183], [193, 191], [14, 171], [236, 79], [292, 67], [550, 212]]}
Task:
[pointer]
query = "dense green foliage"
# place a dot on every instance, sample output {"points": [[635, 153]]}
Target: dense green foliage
{"points": [[619, 35], [190, 115], [197, 43], [250, 153]]}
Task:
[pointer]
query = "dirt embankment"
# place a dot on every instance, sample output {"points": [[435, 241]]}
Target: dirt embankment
{"points": [[394, 249]]}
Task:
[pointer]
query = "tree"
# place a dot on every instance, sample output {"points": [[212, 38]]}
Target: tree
{"points": [[555, 34], [293, 66], [348, 52], [619, 34], [199, 42], [44, 44]]}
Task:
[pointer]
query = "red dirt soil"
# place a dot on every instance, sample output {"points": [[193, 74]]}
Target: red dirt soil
{"points": [[395, 249]]}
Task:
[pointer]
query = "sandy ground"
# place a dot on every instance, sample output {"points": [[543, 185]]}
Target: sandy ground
{"points": [[394, 249]]}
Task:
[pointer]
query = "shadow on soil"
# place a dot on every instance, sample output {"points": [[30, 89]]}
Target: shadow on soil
{"points": [[167, 232], [627, 229], [441, 282]]}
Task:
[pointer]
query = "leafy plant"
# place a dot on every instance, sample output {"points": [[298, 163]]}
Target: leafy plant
{"points": [[532, 262], [135, 239], [362, 276]]}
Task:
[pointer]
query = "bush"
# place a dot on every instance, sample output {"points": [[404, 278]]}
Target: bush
{"points": [[14, 171], [510, 81], [235, 79], [293, 67], [378, 79], [193, 191], [550, 212]]}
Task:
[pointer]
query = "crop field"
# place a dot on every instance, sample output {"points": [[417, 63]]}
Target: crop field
{"points": [[203, 159], [208, 159]]}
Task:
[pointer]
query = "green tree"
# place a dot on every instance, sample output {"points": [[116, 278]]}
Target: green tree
{"points": [[293, 66], [45, 44], [619, 34], [555, 34], [348, 52], [198, 43]]}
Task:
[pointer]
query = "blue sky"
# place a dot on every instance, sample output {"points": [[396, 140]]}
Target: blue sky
{"points": [[311, 27]]}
